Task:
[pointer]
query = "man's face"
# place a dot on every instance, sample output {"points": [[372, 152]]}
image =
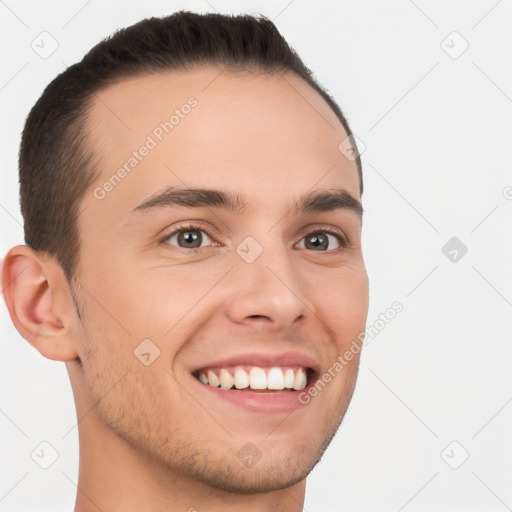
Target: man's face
{"points": [[262, 286]]}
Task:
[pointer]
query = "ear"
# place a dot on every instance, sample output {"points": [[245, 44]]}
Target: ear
{"points": [[34, 294]]}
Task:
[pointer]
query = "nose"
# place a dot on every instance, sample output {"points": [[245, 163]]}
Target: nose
{"points": [[268, 293]]}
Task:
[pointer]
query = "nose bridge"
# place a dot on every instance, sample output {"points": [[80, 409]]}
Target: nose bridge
{"points": [[269, 284]]}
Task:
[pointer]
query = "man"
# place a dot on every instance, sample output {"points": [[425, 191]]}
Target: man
{"points": [[191, 199]]}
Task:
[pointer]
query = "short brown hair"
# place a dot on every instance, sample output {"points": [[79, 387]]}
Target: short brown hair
{"points": [[55, 166]]}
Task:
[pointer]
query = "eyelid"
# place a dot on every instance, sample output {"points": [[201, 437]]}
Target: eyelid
{"points": [[327, 228], [193, 225]]}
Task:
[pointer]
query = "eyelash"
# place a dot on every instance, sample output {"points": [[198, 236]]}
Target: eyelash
{"points": [[199, 226]]}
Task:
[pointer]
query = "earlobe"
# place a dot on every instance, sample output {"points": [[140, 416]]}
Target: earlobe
{"points": [[30, 296]]}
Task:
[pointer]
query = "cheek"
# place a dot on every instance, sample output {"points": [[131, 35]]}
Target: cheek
{"points": [[121, 367], [340, 299], [169, 299]]}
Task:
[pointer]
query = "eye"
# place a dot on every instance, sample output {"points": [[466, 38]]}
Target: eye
{"points": [[188, 238], [195, 236], [323, 240]]}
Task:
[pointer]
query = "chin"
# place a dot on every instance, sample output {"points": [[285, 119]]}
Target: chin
{"points": [[242, 480], [260, 472]]}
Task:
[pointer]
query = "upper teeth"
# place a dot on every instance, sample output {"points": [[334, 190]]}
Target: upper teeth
{"points": [[256, 378]]}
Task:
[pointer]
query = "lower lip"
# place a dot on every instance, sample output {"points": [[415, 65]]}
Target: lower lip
{"points": [[272, 402]]}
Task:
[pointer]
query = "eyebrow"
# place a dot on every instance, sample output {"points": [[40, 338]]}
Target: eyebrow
{"points": [[316, 201]]}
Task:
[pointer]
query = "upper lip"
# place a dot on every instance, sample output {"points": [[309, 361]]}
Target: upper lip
{"points": [[264, 360]]}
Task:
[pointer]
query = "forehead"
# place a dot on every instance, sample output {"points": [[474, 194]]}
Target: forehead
{"points": [[258, 134]]}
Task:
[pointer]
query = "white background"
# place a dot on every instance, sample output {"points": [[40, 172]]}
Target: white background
{"points": [[437, 164]]}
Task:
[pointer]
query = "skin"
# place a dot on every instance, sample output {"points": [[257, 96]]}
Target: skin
{"points": [[149, 441]]}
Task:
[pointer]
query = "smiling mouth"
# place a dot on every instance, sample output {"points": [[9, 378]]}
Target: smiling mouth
{"points": [[272, 379]]}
